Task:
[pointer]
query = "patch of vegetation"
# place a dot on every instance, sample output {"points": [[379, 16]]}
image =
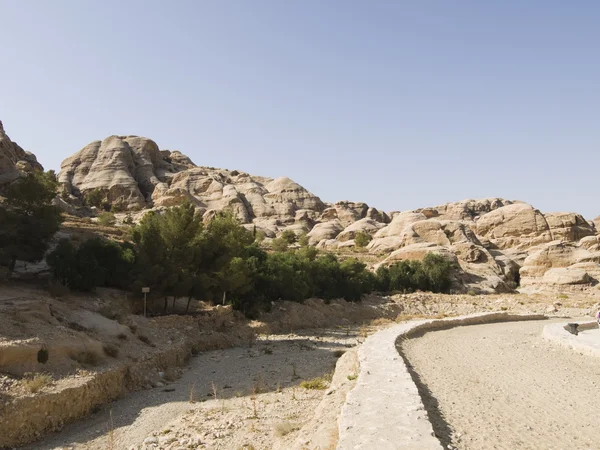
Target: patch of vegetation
{"points": [[28, 219], [289, 236], [37, 382], [94, 197], [315, 384], [362, 239], [107, 219], [279, 244], [352, 377], [177, 255]]}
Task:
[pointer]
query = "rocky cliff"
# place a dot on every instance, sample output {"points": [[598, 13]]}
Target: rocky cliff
{"points": [[13, 159], [497, 243]]}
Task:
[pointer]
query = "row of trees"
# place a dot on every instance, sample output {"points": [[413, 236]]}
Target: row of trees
{"points": [[177, 255]]}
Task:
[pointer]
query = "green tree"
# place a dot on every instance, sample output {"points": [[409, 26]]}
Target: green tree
{"points": [[289, 236], [96, 262], [362, 239], [28, 218], [94, 197], [279, 244], [303, 240]]}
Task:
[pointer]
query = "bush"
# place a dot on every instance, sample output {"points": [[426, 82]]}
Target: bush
{"points": [[106, 219], [96, 262], [95, 197], [289, 236], [362, 239], [28, 220], [279, 244], [303, 240], [432, 274], [315, 384], [37, 382]]}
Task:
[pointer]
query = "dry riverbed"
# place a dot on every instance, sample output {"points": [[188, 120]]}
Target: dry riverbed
{"points": [[238, 398]]}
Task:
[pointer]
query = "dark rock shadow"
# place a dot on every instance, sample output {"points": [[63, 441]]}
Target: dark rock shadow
{"points": [[441, 428]]}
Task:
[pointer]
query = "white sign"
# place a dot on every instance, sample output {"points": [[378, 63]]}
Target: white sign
{"points": [[145, 290]]}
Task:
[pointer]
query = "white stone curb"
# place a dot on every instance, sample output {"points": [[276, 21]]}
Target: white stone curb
{"points": [[556, 332], [385, 411]]}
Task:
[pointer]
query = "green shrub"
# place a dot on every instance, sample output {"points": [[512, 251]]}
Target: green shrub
{"points": [[94, 197], [315, 384], [303, 240], [106, 219], [289, 236], [362, 239], [279, 244]]}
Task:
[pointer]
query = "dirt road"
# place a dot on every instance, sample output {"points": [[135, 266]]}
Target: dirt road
{"points": [[501, 386], [242, 398]]}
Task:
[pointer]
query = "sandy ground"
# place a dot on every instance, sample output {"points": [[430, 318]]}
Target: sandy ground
{"points": [[501, 386], [242, 398]]}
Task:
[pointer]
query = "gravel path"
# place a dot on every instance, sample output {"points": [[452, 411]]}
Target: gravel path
{"points": [[256, 392], [501, 386]]}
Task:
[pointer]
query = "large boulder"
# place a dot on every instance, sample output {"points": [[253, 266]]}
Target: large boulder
{"points": [[518, 225], [562, 276], [570, 227]]}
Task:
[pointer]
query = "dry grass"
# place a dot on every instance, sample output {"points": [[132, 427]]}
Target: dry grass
{"points": [[319, 383], [381, 321], [37, 382]]}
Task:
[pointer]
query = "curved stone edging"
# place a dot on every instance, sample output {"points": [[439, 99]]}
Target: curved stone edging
{"points": [[384, 410], [556, 332]]}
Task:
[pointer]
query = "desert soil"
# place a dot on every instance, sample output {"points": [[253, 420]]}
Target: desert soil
{"points": [[238, 398], [501, 386]]}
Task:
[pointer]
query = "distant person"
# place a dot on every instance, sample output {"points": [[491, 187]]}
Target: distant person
{"points": [[598, 318]]}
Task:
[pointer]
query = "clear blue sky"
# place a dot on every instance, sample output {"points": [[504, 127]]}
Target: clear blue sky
{"points": [[400, 104]]}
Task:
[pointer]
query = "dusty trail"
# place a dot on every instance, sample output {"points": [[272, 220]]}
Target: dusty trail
{"points": [[264, 378], [501, 386]]}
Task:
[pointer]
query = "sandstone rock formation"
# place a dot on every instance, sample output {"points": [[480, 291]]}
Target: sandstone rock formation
{"points": [[497, 243], [14, 160]]}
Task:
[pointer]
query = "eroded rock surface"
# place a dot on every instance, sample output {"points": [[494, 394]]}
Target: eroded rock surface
{"points": [[14, 160], [497, 243]]}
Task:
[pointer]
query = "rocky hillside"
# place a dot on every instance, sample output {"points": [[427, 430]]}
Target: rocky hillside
{"points": [[497, 243], [13, 159]]}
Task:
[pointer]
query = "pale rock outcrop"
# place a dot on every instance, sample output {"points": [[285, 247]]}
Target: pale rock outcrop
{"points": [[346, 212], [495, 242], [564, 276], [556, 254], [389, 238], [324, 231], [365, 225], [518, 225], [14, 160], [569, 227], [466, 210]]}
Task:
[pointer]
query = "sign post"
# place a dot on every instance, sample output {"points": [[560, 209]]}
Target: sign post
{"points": [[145, 291]]}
